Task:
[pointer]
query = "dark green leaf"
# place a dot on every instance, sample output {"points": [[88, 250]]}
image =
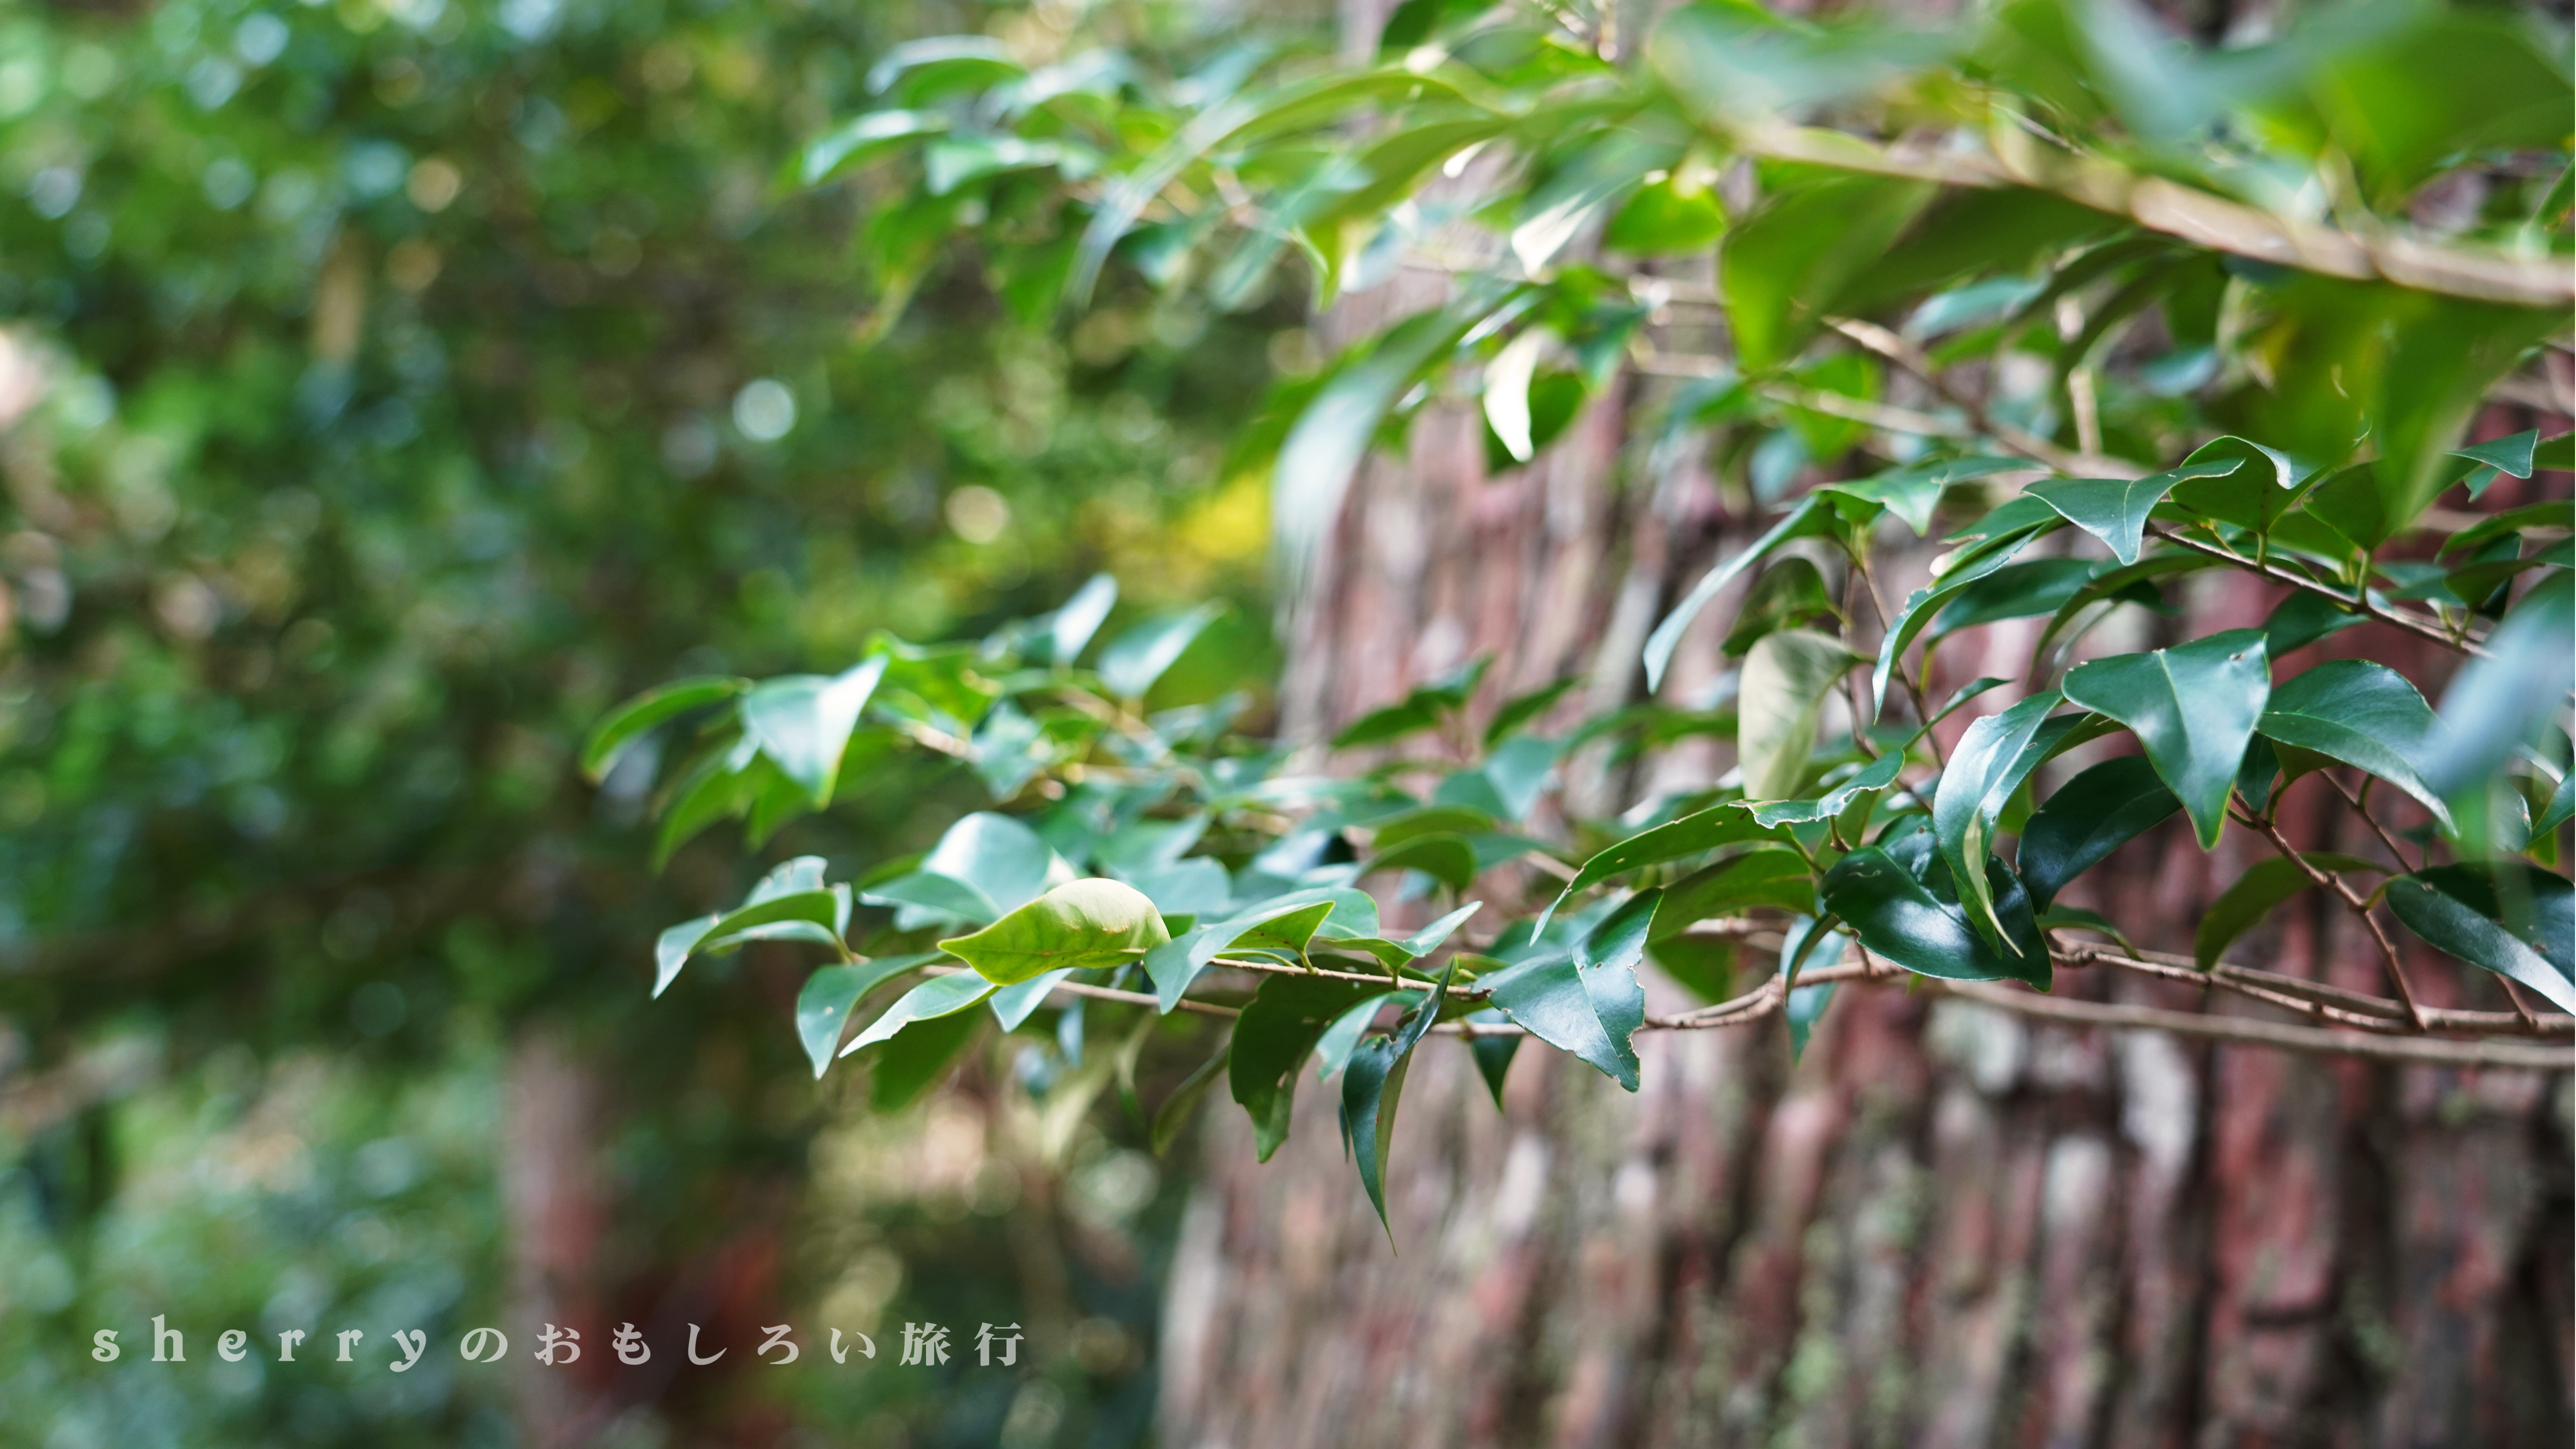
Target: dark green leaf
{"points": [[918, 1056], [1272, 1039], [2301, 620], [2513, 919], [2265, 884], [1586, 1001], [2365, 715], [1812, 517], [2496, 704], [2193, 706], [1918, 922], [1520, 709], [1702, 831], [1448, 859], [1989, 763], [610, 737], [1372, 1085], [1789, 595], [1177, 1109], [1493, 1054]]}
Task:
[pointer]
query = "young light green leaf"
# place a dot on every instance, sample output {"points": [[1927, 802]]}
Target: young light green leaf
{"points": [[1786, 680], [2097, 812], [1130, 663], [2265, 884], [2193, 706], [2365, 715], [624, 724], [2508, 917], [1084, 923]]}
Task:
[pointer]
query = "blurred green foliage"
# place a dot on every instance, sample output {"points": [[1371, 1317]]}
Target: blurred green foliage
{"points": [[385, 387]]}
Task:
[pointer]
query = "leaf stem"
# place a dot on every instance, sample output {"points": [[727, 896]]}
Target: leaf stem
{"points": [[2359, 603]]}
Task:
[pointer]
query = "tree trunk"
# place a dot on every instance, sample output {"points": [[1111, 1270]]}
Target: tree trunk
{"points": [[1946, 1227]]}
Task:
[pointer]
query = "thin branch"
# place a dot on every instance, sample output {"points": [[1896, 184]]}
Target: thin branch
{"points": [[2030, 445], [2304, 584], [2434, 1051], [2334, 882], [2176, 210], [2360, 804]]}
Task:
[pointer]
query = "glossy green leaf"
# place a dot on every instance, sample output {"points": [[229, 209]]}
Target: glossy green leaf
{"points": [[2301, 620], [2254, 485], [1272, 1039], [2015, 591], [1812, 517], [1373, 1084], [1786, 680], [2365, 715], [1912, 493], [2100, 810], [1333, 1049], [623, 725], [1984, 549], [2508, 917], [2265, 884], [1989, 763], [1017, 1002], [1493, 1054], [2115, 510], [998, 855], [2497, 703], [2193, 706], [937, 997], [1130, 663], [1918, 923], [1586, 1001], [1448, 859], [1693, 834], [824, 1004], [1789, 595], [803, 722], [1877, 775], [1082, 924], [671, 949], [1070, 627]]}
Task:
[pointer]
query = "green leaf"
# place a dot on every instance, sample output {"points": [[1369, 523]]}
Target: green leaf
{"points": [[937, 997], [610, 737], [817, 916], [1985, 548], [1786, 679], [1777, 878], [803, 722], [2097, 812], [1284, 925], [1913, 493], [1666, 218], [1520, 709], [1784, 264], [1070, 627], [1448, 859], [1272, 1039], [2302, 619], [1812, 516], [671, 949], [1333, 1049], [1372, 1084], [1518, 770], [1130, 663], [1493, 1054], [1789, 595], [2365, 715], [864, 138], [2193, 706], [2115, 510], [1020, 1000], [1177, 1109], [2513, 919], [1877, 775], [996, 854], [1324, 448], [2510, 454], [1692, 834], [2015, 591], [1586, 1001], [1991, 760], [918, 1056], [1917, 922], [1082, 924], [2498, 703], [2252, 486], [2265, 884], [2562, 804], [824, 1005], [2076, 918]]}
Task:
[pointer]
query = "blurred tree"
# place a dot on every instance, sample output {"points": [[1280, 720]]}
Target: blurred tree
{"points": [[386, 387]]}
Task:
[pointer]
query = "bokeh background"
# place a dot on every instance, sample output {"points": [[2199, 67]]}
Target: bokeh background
{"points": [[386, 387]]}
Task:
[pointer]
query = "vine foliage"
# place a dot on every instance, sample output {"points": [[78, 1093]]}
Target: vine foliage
{"points": [[2097, 311]]}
